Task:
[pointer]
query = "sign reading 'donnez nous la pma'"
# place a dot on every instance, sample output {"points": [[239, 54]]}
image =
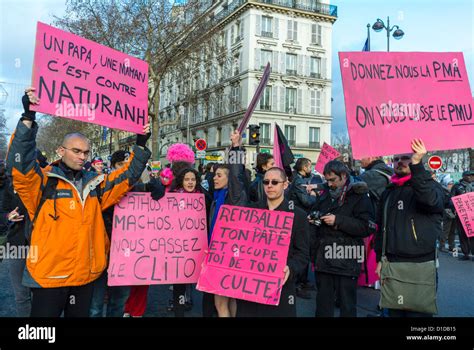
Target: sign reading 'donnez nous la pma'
{"points": [[394, 97], [79, 79]]}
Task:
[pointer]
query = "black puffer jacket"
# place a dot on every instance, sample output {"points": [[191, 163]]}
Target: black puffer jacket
{"points": [[354, 221], [413, 222]]}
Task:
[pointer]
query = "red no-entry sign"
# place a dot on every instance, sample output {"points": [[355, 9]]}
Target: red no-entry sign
{"points": [[435, 162], [201, 144]]}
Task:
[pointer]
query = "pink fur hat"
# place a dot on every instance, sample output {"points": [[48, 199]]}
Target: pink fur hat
{"points": [[180, 152]]}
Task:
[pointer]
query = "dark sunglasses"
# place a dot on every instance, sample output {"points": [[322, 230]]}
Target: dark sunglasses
{"points": [[403, 159], [273, 182]]}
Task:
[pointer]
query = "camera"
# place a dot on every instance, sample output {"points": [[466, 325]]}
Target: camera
{"points": [[316, 217]]}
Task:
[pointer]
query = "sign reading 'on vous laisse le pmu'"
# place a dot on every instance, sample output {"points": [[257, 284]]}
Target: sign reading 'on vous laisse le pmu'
{"points": [[392, 98]]}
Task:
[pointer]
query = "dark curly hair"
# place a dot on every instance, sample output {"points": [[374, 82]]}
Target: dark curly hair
{"points": [[179, 179]]}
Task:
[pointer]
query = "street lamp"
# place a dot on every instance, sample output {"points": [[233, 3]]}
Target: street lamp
{"points": [[397, 34]]}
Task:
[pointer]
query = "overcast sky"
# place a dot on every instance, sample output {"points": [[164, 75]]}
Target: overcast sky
{"points": [[428, 26]]}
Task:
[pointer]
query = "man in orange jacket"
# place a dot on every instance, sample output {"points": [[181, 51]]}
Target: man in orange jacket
{"points": [[65, 204]]}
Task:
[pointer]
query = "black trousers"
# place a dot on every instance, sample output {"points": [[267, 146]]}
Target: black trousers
{"points": [[328, 286], [179, 299], [52, 302], [208, 305], [467, 244]]}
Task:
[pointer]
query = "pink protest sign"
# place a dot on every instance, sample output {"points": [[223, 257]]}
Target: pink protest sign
{"points": [[247, 254], [394, 97], [327, 154], [158, 242], [79, 79], [464, 205]]}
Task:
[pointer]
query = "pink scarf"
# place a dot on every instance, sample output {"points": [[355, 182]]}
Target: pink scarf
{"points": [[400, 181]]}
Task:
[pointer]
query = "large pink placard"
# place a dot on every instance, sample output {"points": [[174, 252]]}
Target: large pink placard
{"points": [[158, 242], [464, 205], [394, 97], [79, 79], [247, 254]]}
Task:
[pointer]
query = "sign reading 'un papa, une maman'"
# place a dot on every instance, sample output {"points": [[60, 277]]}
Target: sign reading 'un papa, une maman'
{"points": [[80, 79]]}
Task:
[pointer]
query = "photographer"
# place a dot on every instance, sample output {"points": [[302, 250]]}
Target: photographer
{"points": [[341, 217]]}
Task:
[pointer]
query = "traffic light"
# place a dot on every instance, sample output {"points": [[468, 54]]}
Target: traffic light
{"points": [[254, 134]]}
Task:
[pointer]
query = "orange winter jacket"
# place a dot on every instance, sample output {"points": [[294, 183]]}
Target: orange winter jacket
{"points": [[69, 241]]}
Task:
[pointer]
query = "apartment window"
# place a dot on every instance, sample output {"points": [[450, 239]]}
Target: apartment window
{"points": [[265, 133], [221, 72], [220, 104], [316, 34], [290, 100], [265, 57], [235, 98], [315, 102], [267, 29], [291, 63], [290, 134], [315, 67], [239, 29], [265, 100], [314, 138], [292, 33], [236, 65]]}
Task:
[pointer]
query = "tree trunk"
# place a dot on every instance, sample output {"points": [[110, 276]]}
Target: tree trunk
{"points": [[155, 136], [471, 158]]}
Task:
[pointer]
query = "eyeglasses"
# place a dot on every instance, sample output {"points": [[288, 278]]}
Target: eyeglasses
{"points": [[403, 159], [273, 182], [78, 151]]}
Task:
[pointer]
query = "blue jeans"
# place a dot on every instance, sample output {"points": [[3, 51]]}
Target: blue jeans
{"points": [[117, 298], [22, 293]]}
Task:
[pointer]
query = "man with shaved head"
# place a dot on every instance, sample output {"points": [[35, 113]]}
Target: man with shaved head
{"points": [[65, 204]]}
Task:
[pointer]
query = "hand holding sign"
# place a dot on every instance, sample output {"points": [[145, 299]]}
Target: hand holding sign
{"points": [[142, 139], [419, 150]]}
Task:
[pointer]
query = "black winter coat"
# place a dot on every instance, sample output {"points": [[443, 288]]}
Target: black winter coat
{"points": [[339, 249], [256, 191], [413, 221], [18, 232]]}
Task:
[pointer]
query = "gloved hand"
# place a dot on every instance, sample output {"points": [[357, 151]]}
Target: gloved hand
{"points": [[158, 190], [30, 115], [142, 139]]}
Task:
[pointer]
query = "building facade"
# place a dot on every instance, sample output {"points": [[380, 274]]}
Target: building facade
{"points": [[207, 93]]}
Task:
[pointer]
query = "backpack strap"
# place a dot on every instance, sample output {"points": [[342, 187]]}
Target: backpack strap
{"points": [[387, 176], [49, 192]]}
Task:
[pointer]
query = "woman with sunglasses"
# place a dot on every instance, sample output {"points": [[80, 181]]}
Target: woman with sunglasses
{"points": [[275, 183]]}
